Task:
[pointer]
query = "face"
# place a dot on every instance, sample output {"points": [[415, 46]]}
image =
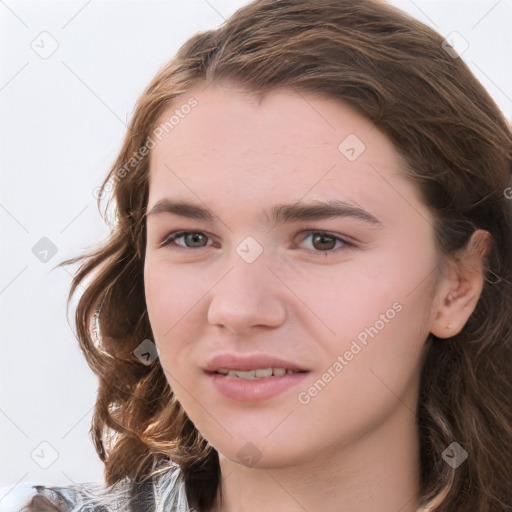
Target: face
{"points": [[304, 251]]}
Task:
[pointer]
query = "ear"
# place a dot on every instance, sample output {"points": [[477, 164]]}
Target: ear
{"points": [[459, 289]]}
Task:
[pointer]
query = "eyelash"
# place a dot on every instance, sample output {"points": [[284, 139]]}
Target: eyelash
{"points": [[172, 237]]}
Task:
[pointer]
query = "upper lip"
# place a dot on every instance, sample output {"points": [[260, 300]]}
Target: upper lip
{"points": [[245, 362]]}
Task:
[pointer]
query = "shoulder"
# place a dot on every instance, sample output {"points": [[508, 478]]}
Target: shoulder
{"points": [[29, 497], [164, 492], [16, 498]]}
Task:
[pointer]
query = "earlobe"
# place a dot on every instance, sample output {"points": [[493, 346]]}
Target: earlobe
{"points": [[456, 308], [460, 289]]}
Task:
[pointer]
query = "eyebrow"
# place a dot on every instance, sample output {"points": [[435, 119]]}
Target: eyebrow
{"points": [[281, 213]]}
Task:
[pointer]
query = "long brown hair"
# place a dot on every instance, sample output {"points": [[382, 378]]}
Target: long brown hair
{"points": [[397, 73]]}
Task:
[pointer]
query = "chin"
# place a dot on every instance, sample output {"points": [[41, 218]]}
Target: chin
{"points": [[260, 446]]}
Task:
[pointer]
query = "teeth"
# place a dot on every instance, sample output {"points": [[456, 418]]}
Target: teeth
{"points": [[260, 373], [242, 375], [263, 372]]}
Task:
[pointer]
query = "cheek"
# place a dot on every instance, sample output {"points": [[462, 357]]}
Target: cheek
{"points": [[171, 294], [381, 323], [384, 347], [367, 375], [364, 296], [175, 302]]}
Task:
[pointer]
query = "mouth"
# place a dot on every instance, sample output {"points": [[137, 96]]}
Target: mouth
{"points": [[259, 373], [253, 377], [252, 366]]}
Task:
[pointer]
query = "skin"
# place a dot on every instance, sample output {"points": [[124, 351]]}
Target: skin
{"points": [[354, 445]]}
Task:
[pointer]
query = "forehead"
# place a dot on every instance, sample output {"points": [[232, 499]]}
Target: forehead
{"points": [[284, 144], [282, 121]]}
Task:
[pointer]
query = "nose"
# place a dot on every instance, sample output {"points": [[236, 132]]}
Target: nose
{"points": [[249, 295]]}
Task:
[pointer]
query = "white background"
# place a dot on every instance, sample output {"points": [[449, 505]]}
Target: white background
{"points": [[62, 122]]}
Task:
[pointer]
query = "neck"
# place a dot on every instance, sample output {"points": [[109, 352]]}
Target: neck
{"points": [[377, 472]]}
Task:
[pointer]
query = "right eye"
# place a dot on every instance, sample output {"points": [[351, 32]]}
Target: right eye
{"points": [[190, 238]]}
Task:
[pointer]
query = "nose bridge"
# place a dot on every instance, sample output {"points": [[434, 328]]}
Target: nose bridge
{"points": [[247, 281], [247, 294], [247, 263]]}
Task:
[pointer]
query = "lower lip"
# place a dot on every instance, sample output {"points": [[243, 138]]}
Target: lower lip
{"points": [[254, 390]]}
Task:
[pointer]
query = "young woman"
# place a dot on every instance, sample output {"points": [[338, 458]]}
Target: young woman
{"points": [[305, 300]]}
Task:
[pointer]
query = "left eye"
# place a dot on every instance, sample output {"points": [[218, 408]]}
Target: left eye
{"points": [[197, 239], [328, 241]]}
